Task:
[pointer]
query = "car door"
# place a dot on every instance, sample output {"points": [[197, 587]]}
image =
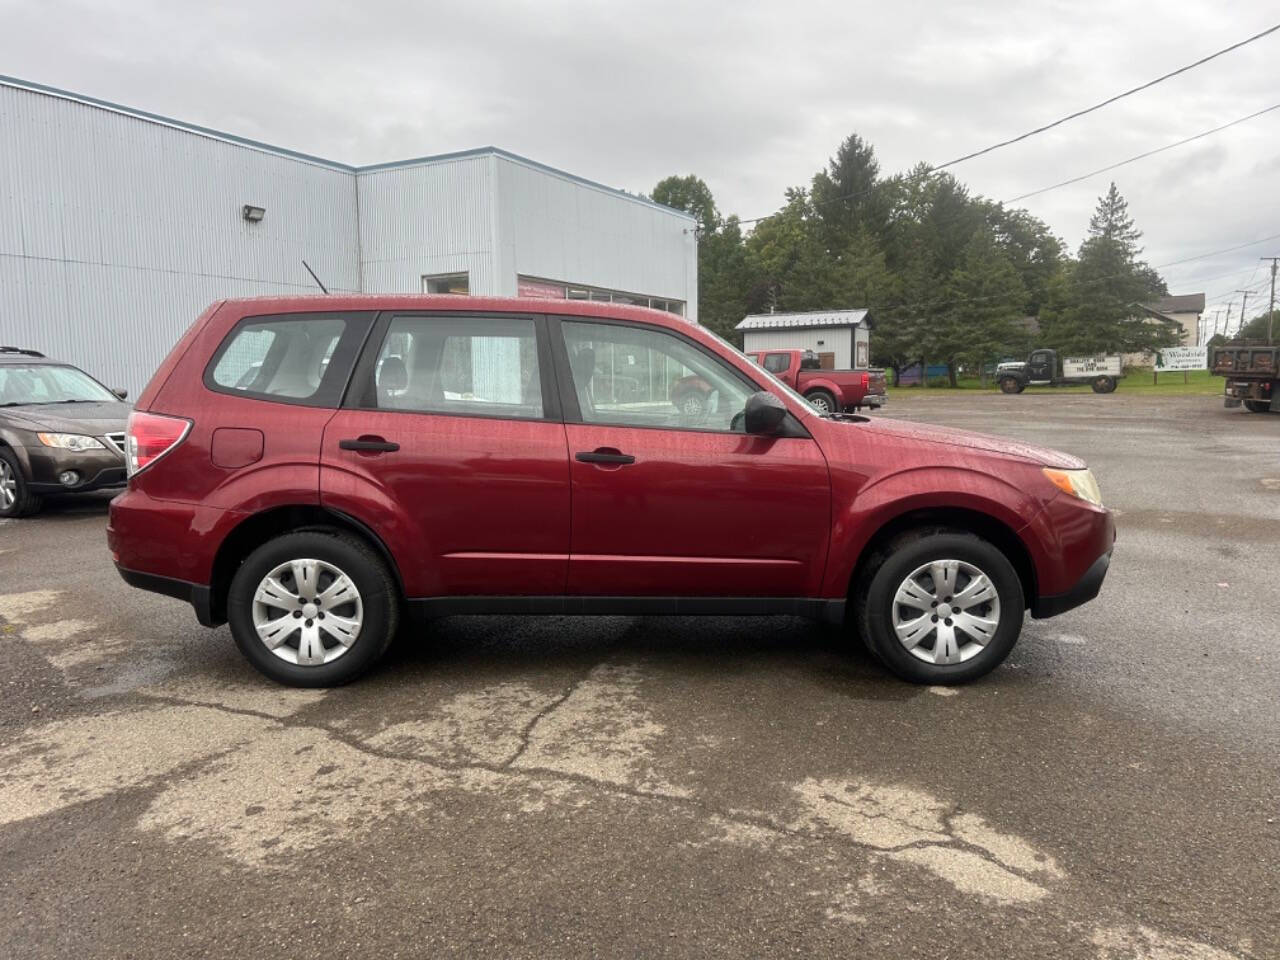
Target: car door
{"points": [[669, 503], [451, 447]]}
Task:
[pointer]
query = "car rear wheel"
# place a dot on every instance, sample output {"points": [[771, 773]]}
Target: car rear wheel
{"points": [[692, 405], [1103, 384], [941, 607], [1010, 385], [16, 498], [821, 401], [1258, 406], [313, 609]]}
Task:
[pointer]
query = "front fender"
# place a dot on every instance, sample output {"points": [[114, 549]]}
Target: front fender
{"points": [[885, 499]]}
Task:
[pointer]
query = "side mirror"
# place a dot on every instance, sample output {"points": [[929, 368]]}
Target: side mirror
{"points": [[121, 392], [764, 413]]}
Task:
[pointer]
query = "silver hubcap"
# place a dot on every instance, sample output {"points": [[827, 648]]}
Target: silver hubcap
{"points": [[8, 485], [820, 404], [946, 611], [307, 612], [692, 406]]}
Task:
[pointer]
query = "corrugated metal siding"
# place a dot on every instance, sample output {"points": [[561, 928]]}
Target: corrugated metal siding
{"points": [[115, 232], [432, 218], [559, 228], [819, 339]]}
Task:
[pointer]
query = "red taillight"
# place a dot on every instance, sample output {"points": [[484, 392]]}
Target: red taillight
{"points": [[151, 436], [866, 381]]}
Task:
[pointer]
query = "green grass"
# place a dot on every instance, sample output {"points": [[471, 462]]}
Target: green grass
{"points": [[1200, 383]]}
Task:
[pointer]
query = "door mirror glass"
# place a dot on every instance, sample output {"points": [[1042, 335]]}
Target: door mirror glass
{"points": [[764, 413]]}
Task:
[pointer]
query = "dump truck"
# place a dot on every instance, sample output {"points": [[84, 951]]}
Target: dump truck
{"points": [[1252, 371]]}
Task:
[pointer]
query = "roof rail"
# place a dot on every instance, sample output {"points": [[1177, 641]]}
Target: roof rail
{"points": [[25, 353]]}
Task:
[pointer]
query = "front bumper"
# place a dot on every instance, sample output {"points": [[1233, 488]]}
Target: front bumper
{"points": [[1086, 588], [97, 470]]}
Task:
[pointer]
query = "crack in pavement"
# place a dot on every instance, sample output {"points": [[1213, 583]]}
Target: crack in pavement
{"points": [[526, 735]]}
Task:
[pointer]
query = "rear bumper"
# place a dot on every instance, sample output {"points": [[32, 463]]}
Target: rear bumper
{"points": [[1086, 588], [874, 400], [198, 595]]}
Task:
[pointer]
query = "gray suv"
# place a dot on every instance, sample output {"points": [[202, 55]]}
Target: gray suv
{"points": [[61, 431]]}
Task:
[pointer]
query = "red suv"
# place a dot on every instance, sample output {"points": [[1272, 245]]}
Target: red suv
{"points": [[313, 470]]}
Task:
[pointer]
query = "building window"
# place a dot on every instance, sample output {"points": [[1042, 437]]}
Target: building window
{"points": [[456, 283], [555, 290]]}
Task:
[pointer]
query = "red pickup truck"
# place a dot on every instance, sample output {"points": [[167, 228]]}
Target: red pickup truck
{"points": [[828, 391]]}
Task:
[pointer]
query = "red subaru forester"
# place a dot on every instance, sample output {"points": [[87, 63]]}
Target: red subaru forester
{"points": [[313, 470]]}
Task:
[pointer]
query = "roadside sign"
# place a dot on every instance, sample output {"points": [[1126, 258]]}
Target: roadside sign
{"points": [[1091, 366], [1182, 358]]}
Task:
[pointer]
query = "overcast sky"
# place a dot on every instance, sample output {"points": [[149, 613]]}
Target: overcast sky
{"points": [[751, 96]]}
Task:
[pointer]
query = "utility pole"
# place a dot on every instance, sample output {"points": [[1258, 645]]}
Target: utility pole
{"points": [[1271, 312], [1244, 308]]}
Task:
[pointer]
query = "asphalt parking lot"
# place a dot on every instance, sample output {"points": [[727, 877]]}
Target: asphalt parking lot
{"points": [[672, 787]]}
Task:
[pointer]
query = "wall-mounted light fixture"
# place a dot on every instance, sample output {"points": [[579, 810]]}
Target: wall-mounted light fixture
{"points": [[253, 214]]}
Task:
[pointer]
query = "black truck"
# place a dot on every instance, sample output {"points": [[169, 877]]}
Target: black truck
{"points": [[1044, 369], [1252, 371]]}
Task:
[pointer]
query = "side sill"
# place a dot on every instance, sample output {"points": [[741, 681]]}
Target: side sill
{"points": [[827, 611], [196, 594]]}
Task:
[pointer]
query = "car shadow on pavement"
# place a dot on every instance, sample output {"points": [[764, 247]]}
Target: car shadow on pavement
{"points": [[712, 646]]}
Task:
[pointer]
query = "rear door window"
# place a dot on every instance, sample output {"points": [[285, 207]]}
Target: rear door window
{"points": [[777, 362], [299, 358], [462, 366]]}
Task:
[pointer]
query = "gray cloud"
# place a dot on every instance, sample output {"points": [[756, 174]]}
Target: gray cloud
{"points": [[752, 96]]}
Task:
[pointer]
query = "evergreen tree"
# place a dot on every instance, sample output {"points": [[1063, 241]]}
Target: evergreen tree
{"points": [[987, 299], [1098, 310]]}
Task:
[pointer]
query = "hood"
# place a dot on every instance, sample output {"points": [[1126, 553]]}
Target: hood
{"points": [[984, 443], [91, 419]]}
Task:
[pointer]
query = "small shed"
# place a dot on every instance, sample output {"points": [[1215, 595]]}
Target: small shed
{"points": [[840, 338]]}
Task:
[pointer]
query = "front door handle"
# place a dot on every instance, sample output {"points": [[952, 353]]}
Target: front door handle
{"points": [[604, 455], [369, 445]]}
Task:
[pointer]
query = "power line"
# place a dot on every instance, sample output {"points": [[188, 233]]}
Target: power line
{"points": [[1049, 126], [1141, 156], [1108, 101]]}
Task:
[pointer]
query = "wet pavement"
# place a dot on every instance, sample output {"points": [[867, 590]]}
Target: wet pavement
{"points": [[645, 787]]}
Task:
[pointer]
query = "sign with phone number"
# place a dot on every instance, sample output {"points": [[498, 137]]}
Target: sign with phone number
{"points": [[1182, 358]]}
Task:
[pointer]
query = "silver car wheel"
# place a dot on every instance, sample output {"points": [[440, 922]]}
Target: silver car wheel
{"points": [[820, 403], [946, 611], [8, 485], [307, 612]]}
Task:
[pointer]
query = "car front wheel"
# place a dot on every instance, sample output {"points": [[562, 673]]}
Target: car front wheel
{"points": [[942, 607], [313, 609], [16, 498], [1010, 385]]}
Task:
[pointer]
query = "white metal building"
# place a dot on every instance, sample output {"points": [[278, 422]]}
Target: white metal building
{"points": [[840, 338], [117, 227]]}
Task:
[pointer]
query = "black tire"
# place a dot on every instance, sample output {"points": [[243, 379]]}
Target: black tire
{"points": [[1103, 384], [875, 607], [692, 405], [818, 397], [1010, 385], [379, 597], [1258, 406], [16, 499]]}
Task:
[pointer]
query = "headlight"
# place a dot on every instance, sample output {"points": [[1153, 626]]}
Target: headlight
{"points": [[70, 441], [1078, 483]]}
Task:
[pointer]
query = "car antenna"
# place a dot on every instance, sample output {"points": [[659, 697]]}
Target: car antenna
{"points": [[314, 277]]}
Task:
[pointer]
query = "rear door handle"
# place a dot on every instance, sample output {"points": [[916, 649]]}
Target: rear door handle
{"points": [[369, 444], [604, 456]]}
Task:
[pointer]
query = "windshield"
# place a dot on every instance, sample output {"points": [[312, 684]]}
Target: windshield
{"points": [[49, 383], [782, 387]]}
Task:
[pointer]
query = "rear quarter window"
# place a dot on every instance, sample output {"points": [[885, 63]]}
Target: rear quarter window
{"points": [[301, 358]]}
